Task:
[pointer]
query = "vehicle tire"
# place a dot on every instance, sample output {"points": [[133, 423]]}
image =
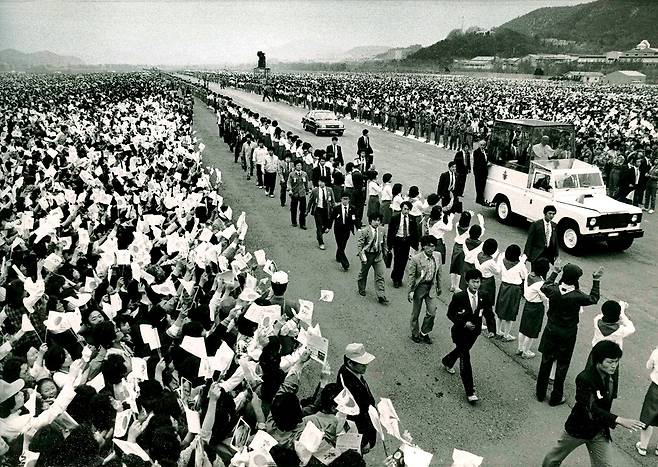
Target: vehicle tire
{"points": [[569, 237], [305, 127], [340, 133], [316, 132], [619, 244], [503, 210]]}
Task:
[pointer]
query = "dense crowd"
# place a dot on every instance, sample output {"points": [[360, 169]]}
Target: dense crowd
{"points": [[136, 327], [454, 111], [496, 285]]}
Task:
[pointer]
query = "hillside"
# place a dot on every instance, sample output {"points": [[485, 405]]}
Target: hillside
{"points": [[602, 25], [500, 42], [363, 52], [398, 53], [19, 60]]}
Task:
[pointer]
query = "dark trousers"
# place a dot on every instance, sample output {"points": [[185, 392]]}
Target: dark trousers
{"points": [[638, 195], [283, 194], [561, 369], [464, 341], [259, 174], [369, 160], [400, 257], [270, 182], [480, 183], [342, 236], [301, 202], [358, 201], [320, 215]]}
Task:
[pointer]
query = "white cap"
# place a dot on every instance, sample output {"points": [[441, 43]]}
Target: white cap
{"points": [[357, 353]]}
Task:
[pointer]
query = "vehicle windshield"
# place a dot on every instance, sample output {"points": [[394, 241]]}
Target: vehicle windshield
{"points": [[580, 180], [325, 116]]}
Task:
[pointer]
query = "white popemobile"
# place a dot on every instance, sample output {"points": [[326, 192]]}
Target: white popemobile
{"points": [[526, 173]]}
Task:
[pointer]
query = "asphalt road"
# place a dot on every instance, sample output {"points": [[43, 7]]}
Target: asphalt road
{"points": [[508, 427]]}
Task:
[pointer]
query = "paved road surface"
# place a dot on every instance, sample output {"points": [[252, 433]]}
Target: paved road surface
{"points": [[508, 427]]}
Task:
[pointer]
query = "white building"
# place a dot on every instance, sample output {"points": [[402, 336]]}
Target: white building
{"points": [[626, 77]]}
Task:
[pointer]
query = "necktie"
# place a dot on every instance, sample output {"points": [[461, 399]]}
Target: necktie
{"points": [[452, 182], [474, 304], [322, 197], [344, 215], [405, 231], [547, 228], [373, 245]]}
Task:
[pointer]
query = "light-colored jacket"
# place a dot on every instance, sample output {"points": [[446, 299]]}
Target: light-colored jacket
{"points": [[626, 328], [366, 237], [419, 265]]}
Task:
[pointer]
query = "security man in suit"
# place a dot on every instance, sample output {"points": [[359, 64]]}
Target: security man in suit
{"points": [[372, 247], [466, 310], [298, 188], [343, 218], [363, 145], [424, 286], [402, 235], [334, 150], [542, 238], [447, 184], [320, 206]]}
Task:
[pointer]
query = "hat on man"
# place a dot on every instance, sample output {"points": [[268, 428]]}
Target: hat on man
{"points": [[357, 353], [280, 277], [611, 311], [8, 390], [571, 273]]}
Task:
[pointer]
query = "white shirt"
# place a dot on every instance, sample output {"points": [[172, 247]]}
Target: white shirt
{"points": [[397, 201], [439, 229], [322, 197], [532, 292], [473, 298], [387, 192], [626, 328], [403, 219], [348, 181], [515, 275], [548, 230], [373, 188]]}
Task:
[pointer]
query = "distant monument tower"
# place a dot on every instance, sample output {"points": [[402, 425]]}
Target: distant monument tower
{"points": [[262, 70]]}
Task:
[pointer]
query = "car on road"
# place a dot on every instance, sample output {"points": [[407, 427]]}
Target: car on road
{"points": [[526, 174], [323, 121]]}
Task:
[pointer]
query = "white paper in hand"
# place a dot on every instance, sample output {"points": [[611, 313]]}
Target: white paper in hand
{"points": [[26, 324], [132, 448], [121, 423], [349, 441], [305, 311], [262, 441], [193, 421], [346, 403], [195, 345], [260, 257], [52, 262], [461, 459]]}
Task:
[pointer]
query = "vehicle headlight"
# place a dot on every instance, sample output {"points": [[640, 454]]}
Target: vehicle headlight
{"points": [[634, 218], [592, 221]]}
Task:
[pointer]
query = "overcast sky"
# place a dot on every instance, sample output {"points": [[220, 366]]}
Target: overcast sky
{"points": [[230, 31]]}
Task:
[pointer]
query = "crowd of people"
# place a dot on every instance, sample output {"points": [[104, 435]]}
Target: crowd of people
{"points": [[136, 327], [138, 330], [491, 289]]}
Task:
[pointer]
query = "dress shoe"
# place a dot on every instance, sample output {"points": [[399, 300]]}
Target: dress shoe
{"points": [[362, 293], [426, 339], [346, 268], [383, 300], [303, 227], [540, 398], [556, 403], [447, 369], [396, 285], [294, 225], [416, 339], [322, 247], [472, 399]]}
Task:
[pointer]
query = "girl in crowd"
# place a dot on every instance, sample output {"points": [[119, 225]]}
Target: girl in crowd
{"points": [[513, 273], [437, 225], [486, 261], [649, 414], [457, 257], [416, 199], [472, 247], [398, 198], [385, 198], [374, 189], [536, 302]]}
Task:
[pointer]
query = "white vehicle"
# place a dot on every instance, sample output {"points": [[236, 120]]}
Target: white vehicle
{"points": [[522, 181]]}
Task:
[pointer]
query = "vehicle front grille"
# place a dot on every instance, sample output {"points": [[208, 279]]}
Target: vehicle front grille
{"points": [[615, 221]]}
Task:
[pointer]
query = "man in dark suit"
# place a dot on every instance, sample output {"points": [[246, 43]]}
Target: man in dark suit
{"points": [[402, 235], [645, 165], [358, 194], [321, 170], [363, 147], [628, 180], [466, 310], [320, 206], [350, 377], [447, 184], [334, 150], [558, 340], [480, 171], [590, 420], [343, 220], [542, 238]]}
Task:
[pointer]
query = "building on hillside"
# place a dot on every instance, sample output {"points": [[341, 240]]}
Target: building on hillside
{"points": [[586, 77], [548, 59], [626, 77], [643, 54], [590, 59], [510, 64], [477, 63]]}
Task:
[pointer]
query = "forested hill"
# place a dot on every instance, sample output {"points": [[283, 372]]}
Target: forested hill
{"points": [[602, 25]]}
